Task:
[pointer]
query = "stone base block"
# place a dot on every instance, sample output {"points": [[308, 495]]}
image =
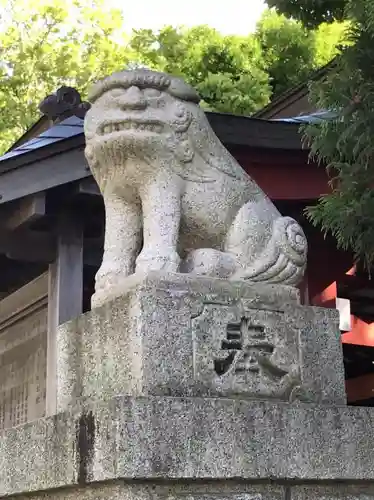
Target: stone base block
{"points": [[219, 490], [203, 441], [173, 335], [333, 492], [189, 491]]}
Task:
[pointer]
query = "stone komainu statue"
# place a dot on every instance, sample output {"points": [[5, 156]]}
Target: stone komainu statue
{"points": [[175, 199]]}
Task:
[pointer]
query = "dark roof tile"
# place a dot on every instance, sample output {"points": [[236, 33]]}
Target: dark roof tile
{"points": [[74, 121], [31, 141], [231, 129], [42, 141], [71, 127], [317, 117], [11, 154], [61, 131]]}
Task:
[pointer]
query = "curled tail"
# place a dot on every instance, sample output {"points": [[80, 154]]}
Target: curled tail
{"points": [[284, 258]]}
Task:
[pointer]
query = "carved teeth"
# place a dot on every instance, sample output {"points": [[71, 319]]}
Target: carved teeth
{"points": [[116, 127]]}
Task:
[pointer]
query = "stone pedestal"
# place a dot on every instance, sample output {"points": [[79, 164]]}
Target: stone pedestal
{"points": [[173, 335], [165, 448], [186, 389]]}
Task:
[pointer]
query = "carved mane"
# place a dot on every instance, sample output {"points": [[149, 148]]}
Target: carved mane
{"points": [[199, 134]]}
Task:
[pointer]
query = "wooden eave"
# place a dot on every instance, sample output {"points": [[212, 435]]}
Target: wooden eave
{"points": [[63, 161]]}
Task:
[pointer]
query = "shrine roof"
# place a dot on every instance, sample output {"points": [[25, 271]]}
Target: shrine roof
{"points": [[71, 127], [56, 156], [226, 126], [318, 117], [231, 129], [295, 97]]}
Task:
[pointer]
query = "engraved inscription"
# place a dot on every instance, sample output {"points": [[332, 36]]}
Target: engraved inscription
{"points": [[23, 353], [247, 345], [248, 352], [23, 369]]}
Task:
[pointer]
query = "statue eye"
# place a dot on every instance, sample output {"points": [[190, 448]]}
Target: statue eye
{"points": [[151, 93], [117, 92]]}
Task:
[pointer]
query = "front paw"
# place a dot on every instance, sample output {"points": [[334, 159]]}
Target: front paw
{"points": [[109, 275], [110, 282], [209, 262], [151, 260]]}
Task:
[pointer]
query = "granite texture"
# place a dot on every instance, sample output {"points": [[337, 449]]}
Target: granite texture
{"points": [[173, 491], [38, 455], [333, 492], [175, 199], [219, 490], [185, 439], [177, 335], [175, 438]]}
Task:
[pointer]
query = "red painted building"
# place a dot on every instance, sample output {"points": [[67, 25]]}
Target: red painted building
{"points": [[332, 280], [52, 211]]}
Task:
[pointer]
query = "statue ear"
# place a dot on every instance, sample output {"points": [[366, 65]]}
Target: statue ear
{"points": [[184, 151], [89, 154], [90, 157], [186, 168]]}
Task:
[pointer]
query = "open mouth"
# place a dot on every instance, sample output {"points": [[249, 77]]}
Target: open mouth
{"points": [[109, 128]]}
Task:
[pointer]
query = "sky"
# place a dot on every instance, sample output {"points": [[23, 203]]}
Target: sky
{"points": [[227, 16]]}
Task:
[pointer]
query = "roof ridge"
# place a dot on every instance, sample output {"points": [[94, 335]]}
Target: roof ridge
{"points": [[296, 88]]}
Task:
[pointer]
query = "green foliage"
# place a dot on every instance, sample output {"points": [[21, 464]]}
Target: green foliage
{"points": [[228, 71], [239, 74], [288, 50], [311, 12], [242, 95], [292, 52], [330, 38], [45, 44], [345, 145]]}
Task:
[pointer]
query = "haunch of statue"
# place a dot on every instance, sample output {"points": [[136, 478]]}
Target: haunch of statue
{"points": [[175, 199]]}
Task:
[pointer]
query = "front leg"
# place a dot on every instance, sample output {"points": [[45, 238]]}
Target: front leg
{"points": [[161, 205], [122, 243]]}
